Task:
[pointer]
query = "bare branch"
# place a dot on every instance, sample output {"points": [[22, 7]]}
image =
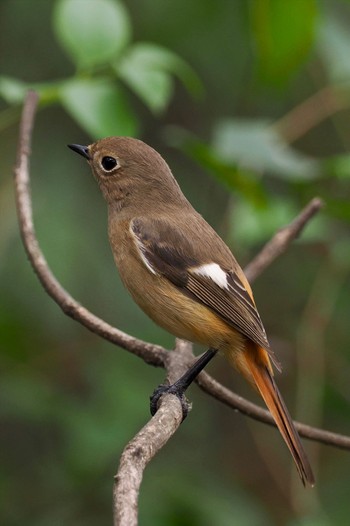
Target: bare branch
{"points": [[281, 240], [138, 453], [146, 444]]}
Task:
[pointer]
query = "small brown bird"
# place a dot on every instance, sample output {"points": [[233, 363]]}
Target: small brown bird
{"points": [[180, 272]]}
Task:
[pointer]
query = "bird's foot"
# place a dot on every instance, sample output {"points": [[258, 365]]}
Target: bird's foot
{"points": [[174, 389], [179, 387]]}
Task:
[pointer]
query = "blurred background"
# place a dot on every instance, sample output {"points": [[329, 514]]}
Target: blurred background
{"points": [[249, 103]]}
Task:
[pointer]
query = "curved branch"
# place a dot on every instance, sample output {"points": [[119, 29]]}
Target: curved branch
{"points": [[138, 453], [152, 354], [146, 444]]}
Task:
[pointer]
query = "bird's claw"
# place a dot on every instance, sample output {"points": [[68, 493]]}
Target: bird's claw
{"points": [[169, 389]]}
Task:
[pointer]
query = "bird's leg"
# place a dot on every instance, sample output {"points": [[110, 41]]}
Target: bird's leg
{"points": [[179, 387]]}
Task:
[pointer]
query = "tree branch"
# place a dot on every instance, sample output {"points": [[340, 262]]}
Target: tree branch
{"points": [[138, 453], [281, 240], [164, 424], [146, 444]]}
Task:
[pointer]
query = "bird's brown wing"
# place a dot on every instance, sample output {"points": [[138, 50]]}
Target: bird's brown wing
{"points": [[168, 251]]}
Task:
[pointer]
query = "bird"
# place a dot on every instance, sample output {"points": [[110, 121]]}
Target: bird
{"points": [[181, 273]]}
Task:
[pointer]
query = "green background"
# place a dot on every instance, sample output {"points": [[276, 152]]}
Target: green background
{"points": [[249, 103]]}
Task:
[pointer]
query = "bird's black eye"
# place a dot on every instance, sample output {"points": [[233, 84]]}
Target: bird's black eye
{"points": [[108, 163]]}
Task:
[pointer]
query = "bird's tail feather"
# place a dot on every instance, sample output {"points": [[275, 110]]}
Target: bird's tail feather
{"points": [[268, 389]]}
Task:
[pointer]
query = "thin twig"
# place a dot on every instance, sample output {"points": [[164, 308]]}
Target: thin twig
{"points": [[281, 240], [311, 112]]}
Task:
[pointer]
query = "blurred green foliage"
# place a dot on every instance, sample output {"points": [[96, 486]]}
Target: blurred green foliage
{"points": [[249, 103], [97, 38]]}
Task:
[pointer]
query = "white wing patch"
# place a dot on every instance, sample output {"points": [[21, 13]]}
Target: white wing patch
{"points": [[214, 272]]}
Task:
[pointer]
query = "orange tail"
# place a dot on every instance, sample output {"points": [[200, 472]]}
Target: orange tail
{"points": [[259, 366]]}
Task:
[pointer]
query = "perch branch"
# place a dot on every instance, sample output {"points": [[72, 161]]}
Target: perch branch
{"points": [[146, 444], [137, 454]]}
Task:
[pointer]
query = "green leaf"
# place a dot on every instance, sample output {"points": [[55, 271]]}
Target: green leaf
{"points": [[256, 145], [12, 90], [147, 76], [99, 107], [92, 32], [147, 69], [283, 34]]}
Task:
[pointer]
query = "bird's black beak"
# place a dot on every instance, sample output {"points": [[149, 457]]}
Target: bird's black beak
{"points": [[82, 150]]}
